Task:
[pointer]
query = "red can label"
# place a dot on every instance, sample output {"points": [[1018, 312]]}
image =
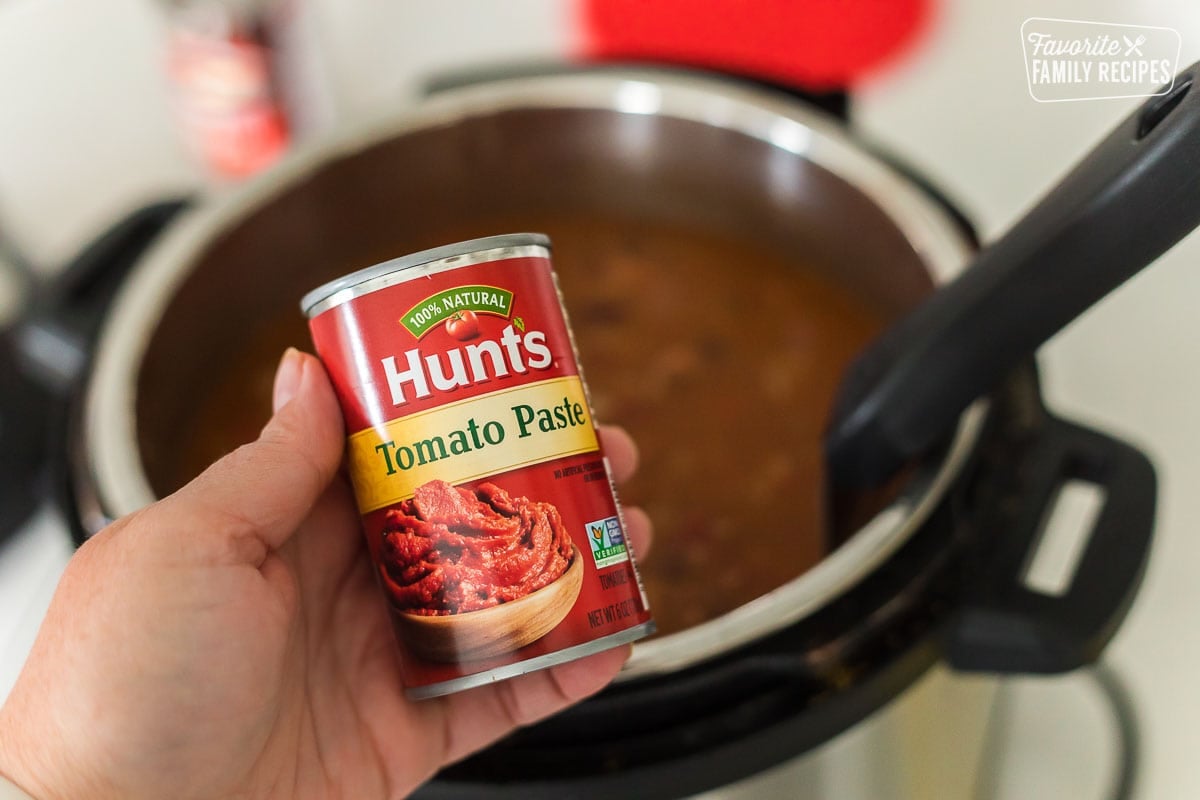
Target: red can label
{"points": [[485, 496]]}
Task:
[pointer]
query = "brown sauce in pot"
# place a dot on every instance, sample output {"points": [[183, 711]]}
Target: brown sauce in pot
{"points": [[721, 359]]}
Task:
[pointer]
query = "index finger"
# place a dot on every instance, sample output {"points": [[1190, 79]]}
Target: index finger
{"points": [[621, 451]]}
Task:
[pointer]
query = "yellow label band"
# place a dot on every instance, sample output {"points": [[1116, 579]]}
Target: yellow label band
{"points": [[470, 439]]}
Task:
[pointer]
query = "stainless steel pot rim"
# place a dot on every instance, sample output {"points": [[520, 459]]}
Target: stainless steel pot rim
{"points": [[112, 459]]}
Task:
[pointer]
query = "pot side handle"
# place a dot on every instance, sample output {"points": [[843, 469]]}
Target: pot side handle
{"points": [[45, 353], [1006, 627], [56, 337]]}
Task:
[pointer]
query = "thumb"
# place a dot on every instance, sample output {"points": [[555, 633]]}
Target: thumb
{"points": [[255, 497]]}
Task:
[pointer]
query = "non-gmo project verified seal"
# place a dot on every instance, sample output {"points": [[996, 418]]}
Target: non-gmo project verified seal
{"points": [[607, 541]]}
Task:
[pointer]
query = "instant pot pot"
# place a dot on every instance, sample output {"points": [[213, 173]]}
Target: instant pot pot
{"points": [[871, 659]]}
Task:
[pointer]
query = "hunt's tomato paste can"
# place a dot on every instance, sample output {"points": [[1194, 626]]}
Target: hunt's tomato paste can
{"points": [[487, 502]]}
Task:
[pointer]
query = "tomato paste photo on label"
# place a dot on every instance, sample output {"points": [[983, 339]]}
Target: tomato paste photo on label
{"points": [[449, 550]]}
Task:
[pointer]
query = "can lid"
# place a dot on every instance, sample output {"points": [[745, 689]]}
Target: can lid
{"points": [[314, 302]]}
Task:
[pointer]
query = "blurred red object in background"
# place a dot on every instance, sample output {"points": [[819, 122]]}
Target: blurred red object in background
{"points": [[814, 44], [221, 62]]}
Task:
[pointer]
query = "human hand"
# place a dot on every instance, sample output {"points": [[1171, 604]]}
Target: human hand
{"points": [[229, 641]]}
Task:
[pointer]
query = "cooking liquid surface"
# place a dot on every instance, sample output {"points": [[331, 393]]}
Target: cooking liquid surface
{"points": [[721, 359]]}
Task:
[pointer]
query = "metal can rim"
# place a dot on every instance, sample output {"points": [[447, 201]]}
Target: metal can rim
{"points": [[346, 288]]}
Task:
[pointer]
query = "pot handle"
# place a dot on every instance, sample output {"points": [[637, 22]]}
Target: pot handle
{"points": [[44, 353], [55, 338], [1004, 626]]}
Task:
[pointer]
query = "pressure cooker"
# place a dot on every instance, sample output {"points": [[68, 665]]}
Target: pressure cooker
{"points": [[897, 632]]}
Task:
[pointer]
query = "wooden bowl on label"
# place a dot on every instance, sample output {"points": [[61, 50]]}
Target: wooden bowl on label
{"points": [[493, 631]]}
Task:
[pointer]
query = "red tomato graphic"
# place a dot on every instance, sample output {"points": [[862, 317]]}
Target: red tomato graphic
{"points": [[463, 325]]}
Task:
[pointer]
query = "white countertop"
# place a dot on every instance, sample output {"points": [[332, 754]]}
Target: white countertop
{"points": [[85, 136]]}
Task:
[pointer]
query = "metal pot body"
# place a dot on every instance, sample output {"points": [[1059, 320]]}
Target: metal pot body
{"points": [[934, 574], [672, 149]]}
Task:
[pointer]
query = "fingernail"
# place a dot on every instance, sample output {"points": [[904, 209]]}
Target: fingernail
{"points": [[287, 378]]}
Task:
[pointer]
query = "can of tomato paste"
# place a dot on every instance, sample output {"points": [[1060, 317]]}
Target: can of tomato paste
{"points": [[487, 502]]}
